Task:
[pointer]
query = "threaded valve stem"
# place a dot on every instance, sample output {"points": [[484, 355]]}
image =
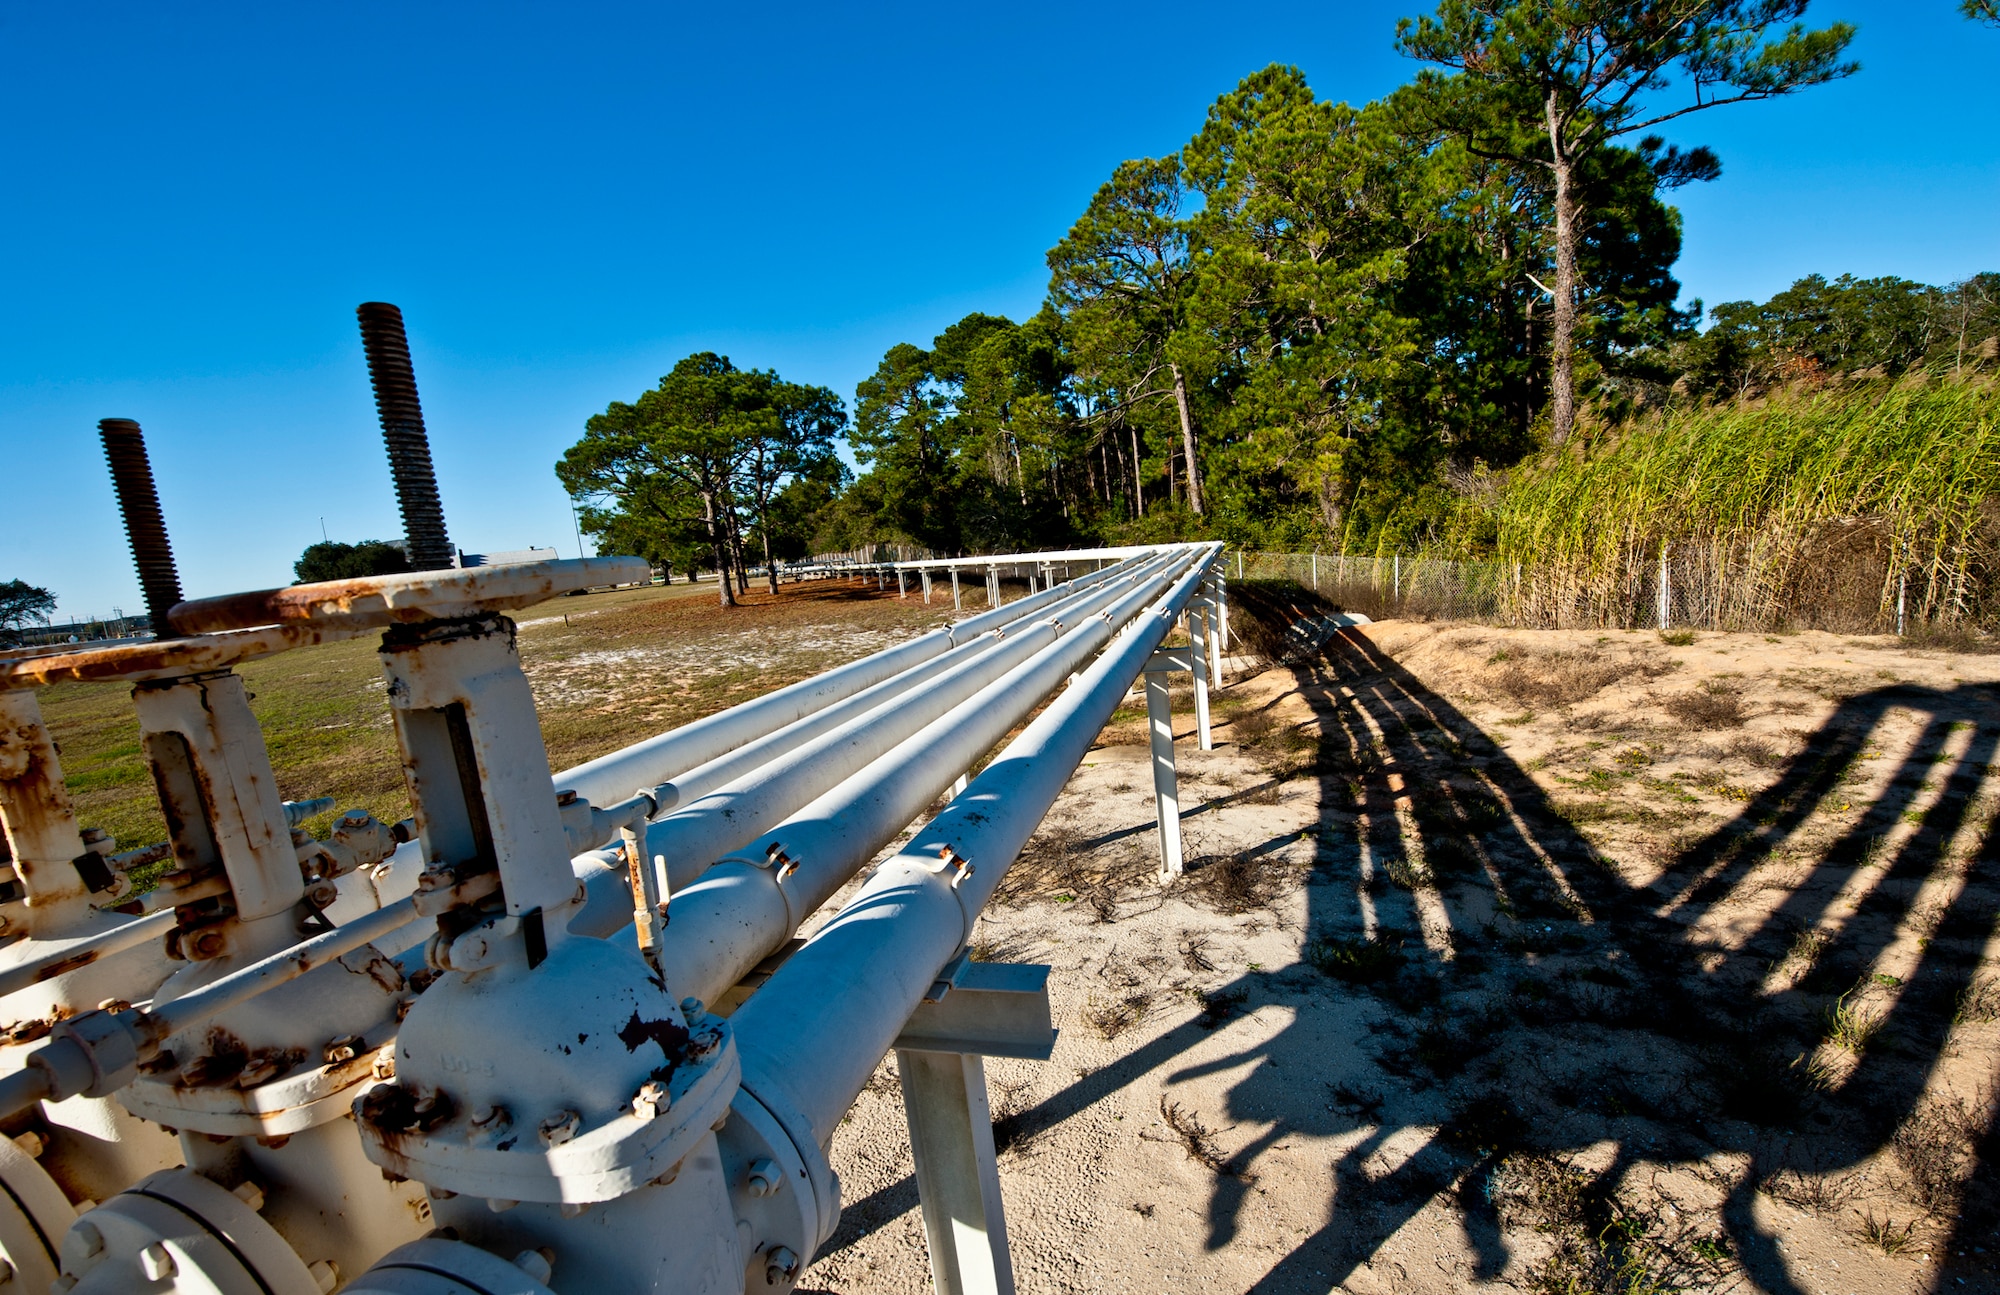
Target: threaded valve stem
{"points": [[409, 446], [132, 478]]}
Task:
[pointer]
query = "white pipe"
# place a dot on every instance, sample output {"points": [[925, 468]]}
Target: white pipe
{"points": [[54, 953], [811, 1037], [695, 835], [750, 903], [193, 1008], [649, 763], [684, 788]]}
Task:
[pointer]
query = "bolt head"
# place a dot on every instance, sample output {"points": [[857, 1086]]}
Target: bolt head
{"points": [[652, 1100], [256, 1073], [345, 1048], [250, 1194], [156, 1263], [692, 1007], [538, 1264], [490, 1117], [781, 1265], [560, 1128]]}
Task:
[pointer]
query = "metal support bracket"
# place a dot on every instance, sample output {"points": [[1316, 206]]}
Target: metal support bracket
{"points": [[989, 1009], [975, 1010]]}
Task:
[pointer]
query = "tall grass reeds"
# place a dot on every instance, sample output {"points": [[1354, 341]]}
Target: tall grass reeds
{"points": [[1805, 511]]}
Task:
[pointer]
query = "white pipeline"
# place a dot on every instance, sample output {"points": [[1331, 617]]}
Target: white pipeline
{"points": [[814, 1033], [697, 834], [684, 788], [651, 762], [749, 904]]}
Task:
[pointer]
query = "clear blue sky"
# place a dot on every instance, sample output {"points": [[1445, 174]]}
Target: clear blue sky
{"points": [[565, 199]]}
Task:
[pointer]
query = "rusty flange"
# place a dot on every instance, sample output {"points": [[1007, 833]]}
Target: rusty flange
{"points": [[373, 601]]}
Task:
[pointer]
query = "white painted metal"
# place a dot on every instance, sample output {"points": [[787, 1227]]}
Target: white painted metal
{"points": [[1198, 668], [543, 1073], [178, 1233], [34, 1214], [654, 761], [1166, 787], [694, 835], [958, 1176], [438, 1266], [748, 905], [814, 1033], [685, 788]]}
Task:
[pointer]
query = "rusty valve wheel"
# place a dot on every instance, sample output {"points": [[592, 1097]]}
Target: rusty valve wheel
{"points": [[373, 601]]}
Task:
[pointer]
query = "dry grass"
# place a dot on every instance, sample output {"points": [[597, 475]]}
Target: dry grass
{"points": [[1111, 1017], [1196, 1138], [1563, 677], [1237, 883], [1935, 1148], [1716, 704], [1263, 612], [1816, 1193]]}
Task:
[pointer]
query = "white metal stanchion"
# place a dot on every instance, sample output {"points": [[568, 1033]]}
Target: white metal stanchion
{"points": [[955, 603], [1166, 787], [958, 1175], [1199, 634], [975, 1010]]}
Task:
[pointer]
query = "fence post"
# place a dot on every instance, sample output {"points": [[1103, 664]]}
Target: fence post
{"points": [[1902, 589], [1666, 593], [1315, 570], [1396, 567], [1239, 564]]}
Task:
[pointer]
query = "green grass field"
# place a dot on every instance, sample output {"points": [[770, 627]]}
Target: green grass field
{"points": [[607, 669]]}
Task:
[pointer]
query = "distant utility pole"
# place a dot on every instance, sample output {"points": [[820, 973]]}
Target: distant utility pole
{"points": [[577, 525], [322, 529]]}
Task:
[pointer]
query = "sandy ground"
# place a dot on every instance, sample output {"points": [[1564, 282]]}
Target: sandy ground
{"points": [[1508, 960]]}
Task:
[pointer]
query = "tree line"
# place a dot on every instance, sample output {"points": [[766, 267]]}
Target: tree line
{"points": [[1315, 325]]}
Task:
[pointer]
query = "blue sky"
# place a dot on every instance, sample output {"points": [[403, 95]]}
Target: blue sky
{"points": [[565, 199]]}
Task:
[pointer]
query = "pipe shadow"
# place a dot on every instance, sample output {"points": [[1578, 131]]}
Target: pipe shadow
{"points": [[1532, 1001]]}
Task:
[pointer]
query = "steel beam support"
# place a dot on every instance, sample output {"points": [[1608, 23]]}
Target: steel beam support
{"points": [[902, 583], [1199, 635], [958, 1174], [1166, 786], [1223, 618], [927, 589], [956, 604]]}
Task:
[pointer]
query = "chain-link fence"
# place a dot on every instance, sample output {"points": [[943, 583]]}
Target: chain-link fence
{"points": [[1391, 585], [1853, 589]]}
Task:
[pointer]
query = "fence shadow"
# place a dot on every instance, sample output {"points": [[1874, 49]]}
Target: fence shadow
{"points": [[1538, 1003]]}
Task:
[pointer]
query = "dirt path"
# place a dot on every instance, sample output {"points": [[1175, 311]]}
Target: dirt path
{"points": [[1512, 960]]}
